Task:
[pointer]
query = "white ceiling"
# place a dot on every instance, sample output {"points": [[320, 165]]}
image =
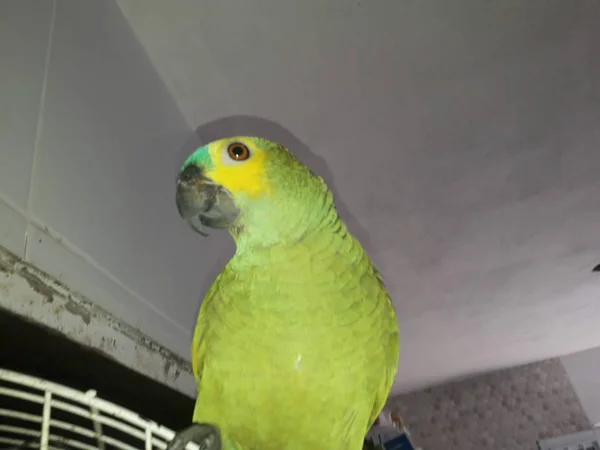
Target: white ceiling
{"points": [[461, 139]]}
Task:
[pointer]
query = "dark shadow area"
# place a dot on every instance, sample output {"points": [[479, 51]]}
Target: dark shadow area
{"points": [[37, 351]]}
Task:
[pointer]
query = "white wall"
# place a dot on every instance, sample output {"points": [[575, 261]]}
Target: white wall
{"points": [[90, 142], [583, 369], [462, 137]]}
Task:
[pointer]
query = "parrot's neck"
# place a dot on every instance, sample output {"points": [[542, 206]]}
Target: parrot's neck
{"points": [[287, 220]]}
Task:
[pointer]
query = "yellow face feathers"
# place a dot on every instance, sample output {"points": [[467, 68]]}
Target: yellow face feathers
{"points": [[252, 186], [238, 164]]}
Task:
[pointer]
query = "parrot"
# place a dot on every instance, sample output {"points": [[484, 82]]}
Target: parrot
{"points": [[296, 344]]}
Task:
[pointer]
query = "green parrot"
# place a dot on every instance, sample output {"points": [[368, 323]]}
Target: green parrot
{"points": [[297, 343]]}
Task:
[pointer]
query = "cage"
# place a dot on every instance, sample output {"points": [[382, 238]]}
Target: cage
{"points": [[36, 413]]}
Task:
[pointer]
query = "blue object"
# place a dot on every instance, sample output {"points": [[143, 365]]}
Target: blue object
{"points": [[399, 443]]}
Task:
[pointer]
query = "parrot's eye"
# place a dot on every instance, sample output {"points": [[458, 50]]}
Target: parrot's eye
{"points": [[238, 152]]}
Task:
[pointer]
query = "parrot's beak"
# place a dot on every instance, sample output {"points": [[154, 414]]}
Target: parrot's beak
{"points": [[203, 203]]}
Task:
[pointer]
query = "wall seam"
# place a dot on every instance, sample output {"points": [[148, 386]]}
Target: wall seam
{"points": [[35, 222], [38, 131]]}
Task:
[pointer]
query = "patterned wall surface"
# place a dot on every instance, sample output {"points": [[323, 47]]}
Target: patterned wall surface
{"points": [[505, 410]]}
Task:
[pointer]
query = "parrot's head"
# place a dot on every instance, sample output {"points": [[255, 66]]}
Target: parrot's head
{"points": [[253, 187]]}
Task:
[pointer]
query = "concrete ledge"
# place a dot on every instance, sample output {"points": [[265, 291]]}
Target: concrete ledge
{"points": [[38, 297]]}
